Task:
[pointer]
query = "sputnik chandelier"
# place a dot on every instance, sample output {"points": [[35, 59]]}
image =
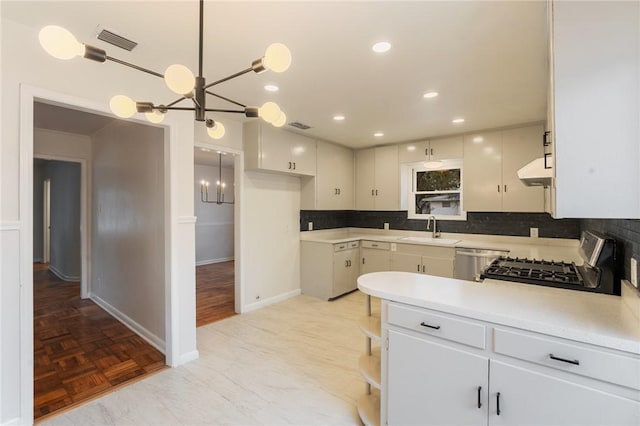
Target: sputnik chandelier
{"points": [[61, 44]]}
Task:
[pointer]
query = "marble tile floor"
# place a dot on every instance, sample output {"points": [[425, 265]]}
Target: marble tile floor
{"points": [[291, 363]]}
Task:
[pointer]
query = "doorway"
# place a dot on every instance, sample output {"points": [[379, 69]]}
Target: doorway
{"points": [[214, 206], [85, 342]]}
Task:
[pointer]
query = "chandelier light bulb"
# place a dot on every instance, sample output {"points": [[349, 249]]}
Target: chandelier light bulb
{"points": [[269, 112], [277, 57], [60, 43], [179, 79], [281, 120], [217, 131], [155, 116], [122, 106]]}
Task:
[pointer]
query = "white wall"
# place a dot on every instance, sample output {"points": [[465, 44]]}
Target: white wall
{"points": [[272, 248], [90, 84], [214, 228], [128, 224]]}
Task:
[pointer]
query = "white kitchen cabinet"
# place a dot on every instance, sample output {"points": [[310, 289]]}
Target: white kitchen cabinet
{"points": [[431, 260], [377, 179], [431, 150], [334, 179], [270, 149], [491, 162], [434, 384], [532, 398], [595, 76], [329, 270], [374, 257], [441, 368]]}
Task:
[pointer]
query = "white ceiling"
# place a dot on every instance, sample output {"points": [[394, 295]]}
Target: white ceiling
{"points": [[486, 59], [206, 157], [52, 117]]}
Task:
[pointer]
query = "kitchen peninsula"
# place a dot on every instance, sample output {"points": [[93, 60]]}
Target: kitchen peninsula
{"points": [[496, 352]]}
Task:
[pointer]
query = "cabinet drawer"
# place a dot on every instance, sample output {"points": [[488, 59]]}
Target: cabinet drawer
{"points": [[354, 244], [345, 246], [375, 245], [445, 327], [594, 363]]}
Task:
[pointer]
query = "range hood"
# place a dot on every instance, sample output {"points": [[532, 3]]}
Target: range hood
{"points": [[535, 173]]}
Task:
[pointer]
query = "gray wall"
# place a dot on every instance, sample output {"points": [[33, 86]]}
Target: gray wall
{"points": [[128, 233], [65, 216], [214, 228]]}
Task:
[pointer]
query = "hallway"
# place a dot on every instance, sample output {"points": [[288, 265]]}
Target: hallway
{"points": [[80, 351], [214, 292]]}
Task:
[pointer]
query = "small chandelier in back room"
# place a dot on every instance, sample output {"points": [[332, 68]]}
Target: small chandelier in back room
{"points": [[60, 43]]}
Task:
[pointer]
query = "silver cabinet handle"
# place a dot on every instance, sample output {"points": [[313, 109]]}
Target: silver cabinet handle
{"points": [[418, 268], [431, 151], [289, 165], [376, 192], [372, 192], [423, 269], [294, 165], [505, 188], [498, 188]]}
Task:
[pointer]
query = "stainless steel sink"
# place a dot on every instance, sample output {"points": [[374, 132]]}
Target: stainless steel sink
{"points": [[429, 240]]}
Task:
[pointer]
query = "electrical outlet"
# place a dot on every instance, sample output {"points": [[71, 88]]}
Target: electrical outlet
{"points": [[533, 232], [310, 226], [634, 272], [386, 226], [394, 247]]}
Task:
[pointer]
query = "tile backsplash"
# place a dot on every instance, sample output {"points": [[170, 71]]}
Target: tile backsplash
{"points": [[516, 224]]}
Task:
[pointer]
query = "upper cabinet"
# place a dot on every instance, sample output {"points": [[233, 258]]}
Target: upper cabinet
{"points": [[491, 162], [377, 179], [332, 188], [594, 108], [270, 149], [431, 150]]}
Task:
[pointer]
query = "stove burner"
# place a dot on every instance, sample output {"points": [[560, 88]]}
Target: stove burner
{"points": [[534, 271]]}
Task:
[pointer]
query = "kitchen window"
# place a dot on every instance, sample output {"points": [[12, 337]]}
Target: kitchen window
{"points": [[435, 191]]}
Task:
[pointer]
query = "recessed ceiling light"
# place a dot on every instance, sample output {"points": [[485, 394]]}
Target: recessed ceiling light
{"points": [[378, 134], [204, 150], [411, 148], [429, 95], [381, 47], [339, 117], [271, 88], [457, 120], [478, 139]]}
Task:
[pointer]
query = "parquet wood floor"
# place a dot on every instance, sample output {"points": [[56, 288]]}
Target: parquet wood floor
{"points": [[214, 292], [80, 351]]}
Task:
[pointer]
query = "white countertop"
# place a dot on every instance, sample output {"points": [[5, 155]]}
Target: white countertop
{"points": [[559, 249], [603, 320]]}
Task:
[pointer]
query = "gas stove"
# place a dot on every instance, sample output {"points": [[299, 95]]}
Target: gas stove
{"points": [[534, 271], [599, 273]]}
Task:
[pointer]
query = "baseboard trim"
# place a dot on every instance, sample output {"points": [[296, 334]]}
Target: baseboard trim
{"points": [[270, 301], [151, 338], [188, 357], [210, 261], [62, 276], [15, 421]]}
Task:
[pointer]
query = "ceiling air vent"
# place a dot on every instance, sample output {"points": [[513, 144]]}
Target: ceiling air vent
{"points": [[299, 125], [115, 39]]}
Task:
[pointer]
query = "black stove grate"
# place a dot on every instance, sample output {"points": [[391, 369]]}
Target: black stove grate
{"points": [[532, 271]]}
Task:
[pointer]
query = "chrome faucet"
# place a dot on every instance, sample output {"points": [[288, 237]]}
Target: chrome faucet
{"points": [[434, 231]]}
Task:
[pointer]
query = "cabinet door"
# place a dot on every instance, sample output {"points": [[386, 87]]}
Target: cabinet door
{"points": [[365, 179], [373, 260], [440, 267], [519, 147], [414, 152], [482, 172], [275, 149], [406, 262], [433, 384], [446, 148], [302, 154], [532, 398], [334, 177], [387, 178], [344, 262]]}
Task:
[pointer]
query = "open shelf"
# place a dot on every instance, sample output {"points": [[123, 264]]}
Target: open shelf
{"points": [[369, 409], [369, 367], [370, 326]]}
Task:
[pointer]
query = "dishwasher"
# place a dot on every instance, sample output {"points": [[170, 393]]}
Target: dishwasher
{"points": [[471, 262]]}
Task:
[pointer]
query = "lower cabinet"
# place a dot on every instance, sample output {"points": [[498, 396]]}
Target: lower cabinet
{"points": [[329, 270], [432, 384], [444, 369], [431, 260], [374, 257]]}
